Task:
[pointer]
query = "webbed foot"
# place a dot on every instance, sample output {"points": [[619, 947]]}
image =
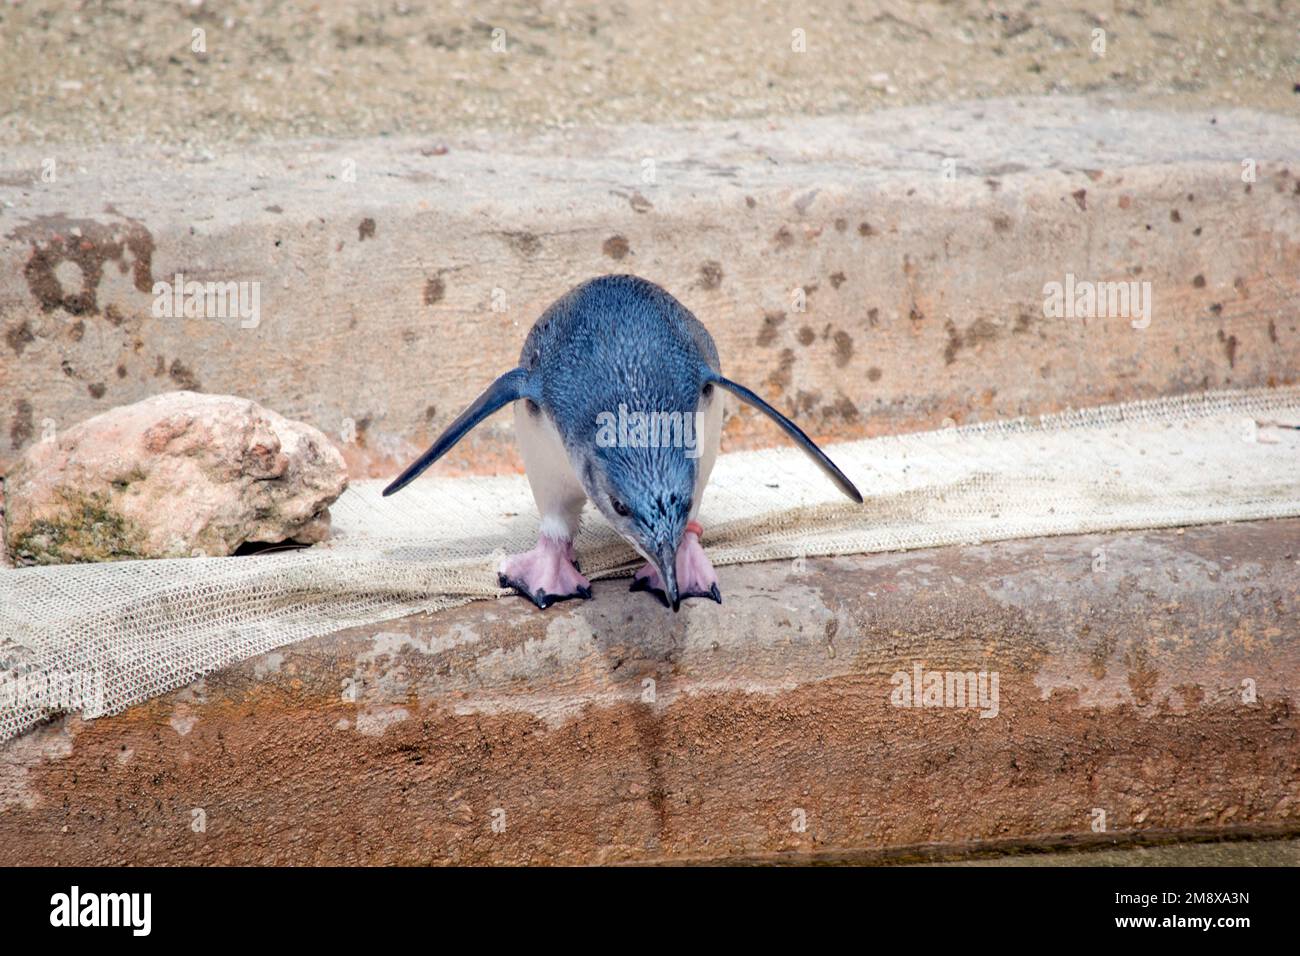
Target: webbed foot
{"points": [[546, 574], [695, 574]]}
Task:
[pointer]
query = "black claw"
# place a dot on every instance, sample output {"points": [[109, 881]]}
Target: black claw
{"points": [[713, 594], [643, 584], [539, 597]]}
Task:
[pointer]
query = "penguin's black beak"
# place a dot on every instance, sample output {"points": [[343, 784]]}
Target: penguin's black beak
{"points": [[666, 563]]}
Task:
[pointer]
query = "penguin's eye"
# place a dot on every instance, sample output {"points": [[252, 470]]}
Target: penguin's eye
{"points": [[707, 390], [619, 508]]}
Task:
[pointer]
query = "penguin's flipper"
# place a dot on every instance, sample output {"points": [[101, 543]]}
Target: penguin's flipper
{"points": [[794, 431], [510, 387]]}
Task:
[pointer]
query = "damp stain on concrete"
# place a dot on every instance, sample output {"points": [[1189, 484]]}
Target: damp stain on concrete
{"points": [[90, 246], [772, 322], [979, 332], [524, 243], [780, 377], [1229, 343], [710, 275], [183, 376], [20, 427], [434, 290], [843, 348], [616, 247], [19, 336]]}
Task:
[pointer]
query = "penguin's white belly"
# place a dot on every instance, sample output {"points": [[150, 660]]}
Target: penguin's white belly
{"points": [[556, 489], [710, 438]]}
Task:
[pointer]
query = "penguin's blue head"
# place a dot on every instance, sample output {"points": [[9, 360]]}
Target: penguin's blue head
{"points": [[645, 493]]}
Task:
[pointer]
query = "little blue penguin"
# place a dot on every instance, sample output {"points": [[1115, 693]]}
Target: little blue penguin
{"points": [[616, 401]]}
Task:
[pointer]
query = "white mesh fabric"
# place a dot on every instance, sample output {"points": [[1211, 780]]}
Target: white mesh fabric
{"points": [[141, 628]]}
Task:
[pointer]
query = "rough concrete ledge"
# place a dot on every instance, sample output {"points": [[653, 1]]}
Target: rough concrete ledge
{"points": [[1147, 686], [398, 276]]}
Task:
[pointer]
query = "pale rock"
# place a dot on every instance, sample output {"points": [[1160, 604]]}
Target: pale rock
{"points": [[177, 475]]}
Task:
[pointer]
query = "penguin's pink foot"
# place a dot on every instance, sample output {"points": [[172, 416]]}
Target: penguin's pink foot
{"points": [[546, 574], [695, 574]]}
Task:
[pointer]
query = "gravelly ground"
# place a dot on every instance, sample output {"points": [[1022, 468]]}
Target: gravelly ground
{"points": [[107, 70]]}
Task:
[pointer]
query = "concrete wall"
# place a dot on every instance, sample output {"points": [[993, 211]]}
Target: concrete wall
{"points": [[380, 263], [1159, 691]]}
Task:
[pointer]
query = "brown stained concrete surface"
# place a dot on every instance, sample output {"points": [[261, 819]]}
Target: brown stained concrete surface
{"points": [[1155, 699], [841, 273]]}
